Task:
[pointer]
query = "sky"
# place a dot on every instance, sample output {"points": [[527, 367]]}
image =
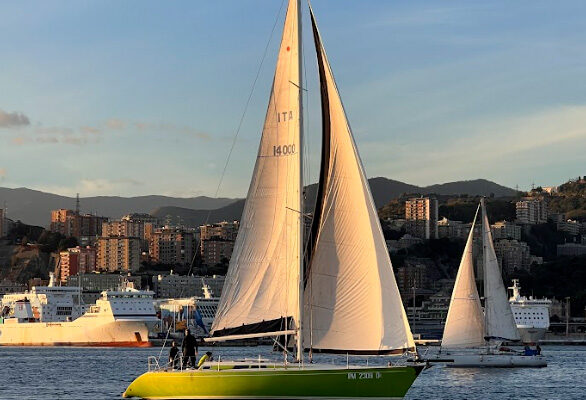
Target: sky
{"points": [[145, 97]]}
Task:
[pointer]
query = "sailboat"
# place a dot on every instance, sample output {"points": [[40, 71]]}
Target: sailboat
{"points": [[472, 337], [343, 299]]}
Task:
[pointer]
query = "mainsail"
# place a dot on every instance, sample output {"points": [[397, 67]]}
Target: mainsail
{"points": [[465, 322], [261, 293], [352, 303], [499, 320]]}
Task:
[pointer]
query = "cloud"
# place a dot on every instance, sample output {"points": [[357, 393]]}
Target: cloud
{"points": [[90, 129], [10, 120], [115, 124], [171, 128], [2, 174], [508, 147]]}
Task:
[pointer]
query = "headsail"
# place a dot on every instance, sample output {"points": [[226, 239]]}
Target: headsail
{"points": [[465, 322], [352, 303], [261, 293], [499, 320]]}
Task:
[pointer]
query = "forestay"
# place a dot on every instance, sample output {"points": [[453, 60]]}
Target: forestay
{"points": [[261, 293], [465, 322], [352, 303], [499, 320]]}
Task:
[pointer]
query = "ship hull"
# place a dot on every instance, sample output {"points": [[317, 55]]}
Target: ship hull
{"points": [[275, 383], [95, 332], [531, 334]]}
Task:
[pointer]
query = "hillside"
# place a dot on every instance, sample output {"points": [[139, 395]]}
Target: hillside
{"points": [[34, 207], [193, 218]]}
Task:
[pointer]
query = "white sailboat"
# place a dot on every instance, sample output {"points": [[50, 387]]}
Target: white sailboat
{"points": [[343, 300], [472, 338]]}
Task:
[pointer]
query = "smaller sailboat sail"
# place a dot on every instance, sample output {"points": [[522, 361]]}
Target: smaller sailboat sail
{"points": [[498, 316], [352, 303], [465, 322]]}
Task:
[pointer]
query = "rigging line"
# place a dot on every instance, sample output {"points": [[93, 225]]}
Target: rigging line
{"points": [[241, 121]]}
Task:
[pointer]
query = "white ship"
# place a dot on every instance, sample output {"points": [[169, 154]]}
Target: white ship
{"points": [[531, 315], [55, 316]]}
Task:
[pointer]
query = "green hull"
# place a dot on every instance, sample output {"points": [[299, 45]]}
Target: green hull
{"points": [[290, 383]]}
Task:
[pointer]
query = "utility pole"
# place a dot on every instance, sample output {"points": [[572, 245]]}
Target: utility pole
{"points": [[567, 316], [413, 311], [77, 204]]}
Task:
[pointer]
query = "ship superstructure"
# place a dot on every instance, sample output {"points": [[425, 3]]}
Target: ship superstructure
{"points": [[53, 316], [531, 315]]}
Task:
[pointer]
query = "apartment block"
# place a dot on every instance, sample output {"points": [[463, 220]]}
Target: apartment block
{"points": [[513, 255], [422, 217], [531, 211], [217, 241], [173, 246], [117, 253], [505, 230], [81, 226], [76, 260], [178, 286]]}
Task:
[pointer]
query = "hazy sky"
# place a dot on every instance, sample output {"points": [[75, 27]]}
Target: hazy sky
{"points": [[144, 97]]}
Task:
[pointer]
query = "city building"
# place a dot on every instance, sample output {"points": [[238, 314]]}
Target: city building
{"points": [[531, 211], [84, 227], [117, 253], [172, 246], [404, 242], [513, 255], [93, 284], [505, 230], [131, 228], [422, 217], [570, 226], [217, 241], [8, 286], [179, 286], [571, 249], [76, 260]]}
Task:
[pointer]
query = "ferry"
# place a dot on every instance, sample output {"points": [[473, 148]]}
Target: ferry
{"points": [[55, 316], [531, 315]]}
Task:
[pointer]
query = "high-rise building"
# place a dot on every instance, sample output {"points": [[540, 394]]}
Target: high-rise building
{"points": [[173, 246], [422, 217], [71, 223], [76, 260], [217, 241], [513, 255], [505, 230], [117, 253], [532, 211]]}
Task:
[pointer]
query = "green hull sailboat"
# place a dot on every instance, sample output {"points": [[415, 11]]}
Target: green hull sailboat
{"points": [[334, 292], [291, 383]]}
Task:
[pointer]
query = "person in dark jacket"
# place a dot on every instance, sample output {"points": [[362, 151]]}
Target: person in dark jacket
{"points": [[189, 349], [174, 356]]}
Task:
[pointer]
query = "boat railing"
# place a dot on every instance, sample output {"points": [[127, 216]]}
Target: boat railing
{"points": [[153, 363]]}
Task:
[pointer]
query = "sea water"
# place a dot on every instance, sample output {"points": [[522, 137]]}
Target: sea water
{"points": [[104, 373]]}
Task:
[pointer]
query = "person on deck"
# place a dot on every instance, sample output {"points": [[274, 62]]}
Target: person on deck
{"points": [[174, 356], [189, 349]]}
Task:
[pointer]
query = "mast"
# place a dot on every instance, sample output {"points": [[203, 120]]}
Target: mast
{"points": [[301, 190]]}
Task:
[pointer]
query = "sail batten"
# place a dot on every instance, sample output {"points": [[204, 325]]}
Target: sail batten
{"points": [[262, 283], [352, 302], [465, 321]]}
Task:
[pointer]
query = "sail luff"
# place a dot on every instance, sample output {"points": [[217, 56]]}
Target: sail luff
{"points": [[353, 296], [261, 292], [301, 195], [465, 321], [499, 320]]}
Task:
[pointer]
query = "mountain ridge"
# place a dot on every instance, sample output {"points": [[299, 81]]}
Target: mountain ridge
{"points": [[34, 206]]}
